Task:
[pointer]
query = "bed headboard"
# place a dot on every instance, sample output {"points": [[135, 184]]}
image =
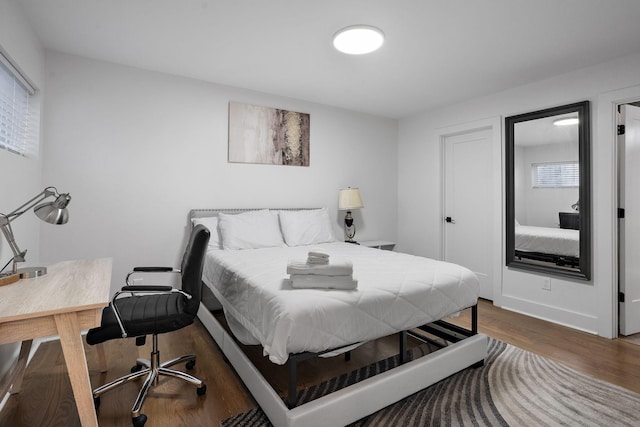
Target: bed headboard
{"points": [[205, 213]]}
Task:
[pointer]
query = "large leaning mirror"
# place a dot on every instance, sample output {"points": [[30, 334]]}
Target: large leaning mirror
{"points": [[548, 193]]}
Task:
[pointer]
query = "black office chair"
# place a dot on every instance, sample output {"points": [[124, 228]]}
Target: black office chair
{"points": [[153, 310]]}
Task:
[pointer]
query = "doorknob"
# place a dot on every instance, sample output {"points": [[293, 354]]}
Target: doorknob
{"points": [[449, 219]]}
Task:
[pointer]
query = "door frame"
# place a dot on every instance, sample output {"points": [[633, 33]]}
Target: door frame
{"points": [[494, 124], [622, 238], [605, 240]]}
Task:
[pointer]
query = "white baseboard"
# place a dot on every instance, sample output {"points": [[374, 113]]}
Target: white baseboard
{"points": [[571, 319]]}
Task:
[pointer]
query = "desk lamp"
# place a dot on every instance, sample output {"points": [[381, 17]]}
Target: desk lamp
{"points": [[54, 212], [349, 199]]}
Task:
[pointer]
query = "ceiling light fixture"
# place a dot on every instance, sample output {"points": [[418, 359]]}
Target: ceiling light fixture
{"points": [[358, 39], [567, 122]]}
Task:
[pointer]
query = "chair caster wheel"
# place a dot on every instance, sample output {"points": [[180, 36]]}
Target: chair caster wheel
{"points": [[139, 421], [136, 368], [96, 402], [201, 390], [190, 364]]}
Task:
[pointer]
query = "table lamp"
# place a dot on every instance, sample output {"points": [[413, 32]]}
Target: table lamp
{"points": [[54, 212], [349, 199]]}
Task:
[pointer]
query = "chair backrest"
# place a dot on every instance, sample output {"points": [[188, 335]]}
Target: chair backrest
{"points": [[192, 265]]}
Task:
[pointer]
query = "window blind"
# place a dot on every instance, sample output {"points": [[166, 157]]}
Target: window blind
{"points": [[19, 118], [555, 175]]}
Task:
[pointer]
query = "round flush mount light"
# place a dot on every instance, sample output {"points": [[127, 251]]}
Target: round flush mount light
{"points": [[358, 39], [567, 122]]}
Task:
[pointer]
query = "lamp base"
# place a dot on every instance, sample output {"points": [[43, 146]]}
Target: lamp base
{"points": [[31, 272], [8, 278]]}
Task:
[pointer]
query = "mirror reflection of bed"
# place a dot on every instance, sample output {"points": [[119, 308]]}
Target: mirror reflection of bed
{"points": [[560, 246]]}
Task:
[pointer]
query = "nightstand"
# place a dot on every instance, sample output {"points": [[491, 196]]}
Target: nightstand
{"points": [[379, 244]]}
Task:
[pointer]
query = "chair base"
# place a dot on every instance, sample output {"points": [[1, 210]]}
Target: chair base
{"points": [[152, 369]]}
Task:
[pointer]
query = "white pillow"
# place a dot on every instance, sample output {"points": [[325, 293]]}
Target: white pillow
{"points": [[306, 227], [211, 222], [250, 230]]}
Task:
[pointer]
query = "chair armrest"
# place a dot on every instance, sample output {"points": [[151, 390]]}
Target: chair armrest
{"points": [[147, 288], [153, 269], [150, 270]]}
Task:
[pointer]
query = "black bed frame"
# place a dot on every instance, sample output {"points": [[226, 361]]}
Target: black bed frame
{"points": [[560, 260], [441, 329]]}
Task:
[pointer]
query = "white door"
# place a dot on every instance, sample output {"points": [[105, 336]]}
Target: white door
{"points": [[469, 204], [629, 226]]}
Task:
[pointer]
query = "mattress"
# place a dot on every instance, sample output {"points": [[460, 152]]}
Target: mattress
{"points": [[552, 241], [394, 292]]}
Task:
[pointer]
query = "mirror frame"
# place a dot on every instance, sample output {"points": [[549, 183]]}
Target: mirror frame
{"points": [[584, 158]]}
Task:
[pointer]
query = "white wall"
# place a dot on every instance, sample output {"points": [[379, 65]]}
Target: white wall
{"points": [[584, 305], [20, 176], [136, 150]]}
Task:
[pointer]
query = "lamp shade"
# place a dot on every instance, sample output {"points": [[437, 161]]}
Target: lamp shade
{"points": [[349, 198], [54, 212]]}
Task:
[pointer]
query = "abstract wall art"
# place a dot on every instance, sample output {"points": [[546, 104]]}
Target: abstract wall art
{"points": [[268, 135]]}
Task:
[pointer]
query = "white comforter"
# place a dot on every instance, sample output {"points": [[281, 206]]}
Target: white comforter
{"points": [[395, 292], [553, 241]]}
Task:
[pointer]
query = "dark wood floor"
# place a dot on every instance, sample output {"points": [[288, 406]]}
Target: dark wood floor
{"points": [[46, 398]]}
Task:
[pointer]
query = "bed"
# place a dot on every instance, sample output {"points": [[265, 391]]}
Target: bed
{"points": [[558, 245], [246, 272]]}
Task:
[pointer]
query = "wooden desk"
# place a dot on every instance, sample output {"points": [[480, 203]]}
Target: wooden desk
{"points": [[65, 301]]}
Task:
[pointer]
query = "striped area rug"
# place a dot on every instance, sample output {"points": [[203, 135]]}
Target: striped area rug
{"points": [[513, 388]]}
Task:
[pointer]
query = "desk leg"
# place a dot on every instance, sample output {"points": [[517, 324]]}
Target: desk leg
{"points": [[12, 380], [23, 358], [76, 361]]}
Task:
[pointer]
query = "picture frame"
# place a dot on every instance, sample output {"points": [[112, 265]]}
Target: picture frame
{"points": [[266, 135]]}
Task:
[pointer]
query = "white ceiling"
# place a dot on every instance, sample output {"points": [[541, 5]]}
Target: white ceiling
{"points": [[436, 52]]}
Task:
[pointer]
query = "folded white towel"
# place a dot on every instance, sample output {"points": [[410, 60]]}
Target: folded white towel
{"points": [[335, 267], [318, 253], [304, 281], [317, 256]]}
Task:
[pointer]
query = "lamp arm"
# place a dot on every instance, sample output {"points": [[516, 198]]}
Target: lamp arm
{"points": [[6, 219], [18, 255], [47, 192]]}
